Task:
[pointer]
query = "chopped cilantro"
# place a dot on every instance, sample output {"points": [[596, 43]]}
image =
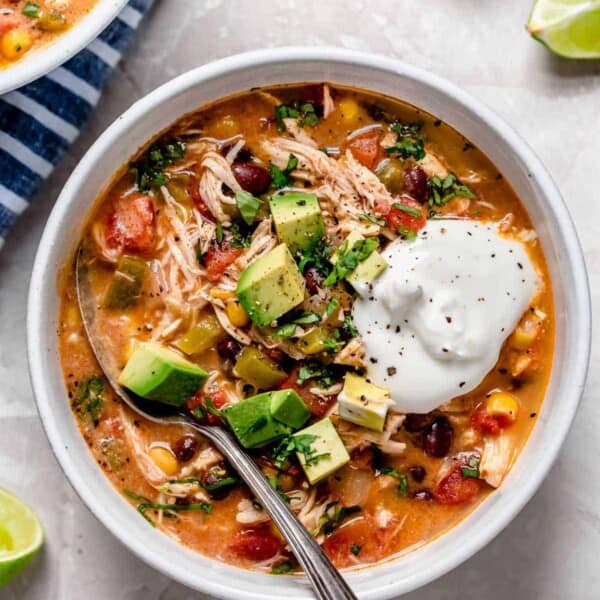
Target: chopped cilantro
{"points": [[239, 238], [333, 516], [355, 549], [409, 141], [170, 510], [413, 212], [301, 444], [332, 306], [349, 259], [371, 219], [219, 232], [31, 9], [401, 477], [289, 329], [211, 408], [472, 468], [406, 234], [248, 206], [284, 567], [317, 256], [348, 327], [444, 190], [315, 370], [149, 171], [333, 343], [305, 113], [281, 178]]}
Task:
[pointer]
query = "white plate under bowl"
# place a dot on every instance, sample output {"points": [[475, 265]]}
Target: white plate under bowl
{"points": [[43, 60], [445, 100]]}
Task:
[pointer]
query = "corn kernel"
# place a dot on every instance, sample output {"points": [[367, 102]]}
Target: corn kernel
{"points": [[349, 109], [15, 43], [221, 294], [503, 404], [526, 332], [225, 127], [164, 459], [236, 313]]}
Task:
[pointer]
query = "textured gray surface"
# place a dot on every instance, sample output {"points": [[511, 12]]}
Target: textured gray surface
{"points": [[551, 549]]}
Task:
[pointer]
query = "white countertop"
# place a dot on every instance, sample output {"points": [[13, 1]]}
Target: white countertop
{"points": [[551, 549]]}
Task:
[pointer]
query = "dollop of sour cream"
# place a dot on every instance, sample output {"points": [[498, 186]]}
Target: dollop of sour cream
{"points": [[434, 322]]}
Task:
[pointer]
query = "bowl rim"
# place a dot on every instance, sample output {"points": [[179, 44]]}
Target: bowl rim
{"points": [[49, 57], [579, 303]]}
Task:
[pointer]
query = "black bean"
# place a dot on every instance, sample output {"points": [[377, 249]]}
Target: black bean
{"points": [[228, 348], [252, 178], [417, 473], [185, 448], [417, 183], [417, 422], [437, 438]]}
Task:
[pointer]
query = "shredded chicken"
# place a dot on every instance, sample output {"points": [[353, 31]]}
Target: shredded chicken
{"points": [[355, 437], [497, 456]]}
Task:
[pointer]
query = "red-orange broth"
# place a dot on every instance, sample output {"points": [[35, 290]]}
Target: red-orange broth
{"points": [[154, 212]]}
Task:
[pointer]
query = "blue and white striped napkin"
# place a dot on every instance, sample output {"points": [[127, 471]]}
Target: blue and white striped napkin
{"points": [[39, 121]]}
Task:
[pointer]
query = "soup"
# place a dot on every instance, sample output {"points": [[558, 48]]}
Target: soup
{"points": [[346, 283], [26, 26]]}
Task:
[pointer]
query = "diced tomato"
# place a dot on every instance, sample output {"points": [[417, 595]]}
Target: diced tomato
{"points": [[256, 544], [365, 148], [8, 22], [132, 225], [402, 220], [218, 398], [217, 258], [194, 191], [484, 422], [455, 488], [358, 535], [316, 405]]}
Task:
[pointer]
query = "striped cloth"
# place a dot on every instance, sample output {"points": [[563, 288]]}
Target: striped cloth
{"points": [[41, 119]]}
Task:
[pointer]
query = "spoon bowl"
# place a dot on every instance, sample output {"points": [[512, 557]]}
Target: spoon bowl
{"points": [[327, 582]]}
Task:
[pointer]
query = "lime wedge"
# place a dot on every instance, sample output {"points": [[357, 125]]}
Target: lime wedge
{"points": [[570, 28], [21, 536]]}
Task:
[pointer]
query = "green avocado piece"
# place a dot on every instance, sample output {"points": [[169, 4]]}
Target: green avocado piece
{"points": [[258, 369], [289, 408], [327, 449], [298, 221], [252, 422], [270, 286], [126, 284], [158, 373], [368, 270], [363, 403]]}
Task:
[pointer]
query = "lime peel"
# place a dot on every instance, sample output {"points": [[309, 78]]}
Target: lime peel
{"points": [[570, 28], [21, 536]]}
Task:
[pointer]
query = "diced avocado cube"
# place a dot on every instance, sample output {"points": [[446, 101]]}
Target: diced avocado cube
{"points": [[368, 270], [270, 286], [202, 336], [126, 284], [252, 422], [258, 369], [298, 221], [157, 373], [327, 454], [289, 408], [363, 403]]}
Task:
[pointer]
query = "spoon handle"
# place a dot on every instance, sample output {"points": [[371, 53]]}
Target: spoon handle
{"points": [[327, 581]]}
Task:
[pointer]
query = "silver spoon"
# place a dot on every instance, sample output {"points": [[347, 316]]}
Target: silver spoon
{"points": [[327, 582]]}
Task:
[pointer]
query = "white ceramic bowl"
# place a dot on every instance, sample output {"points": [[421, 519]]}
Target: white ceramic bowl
{"points": [[39, 62], [190, 91]]}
